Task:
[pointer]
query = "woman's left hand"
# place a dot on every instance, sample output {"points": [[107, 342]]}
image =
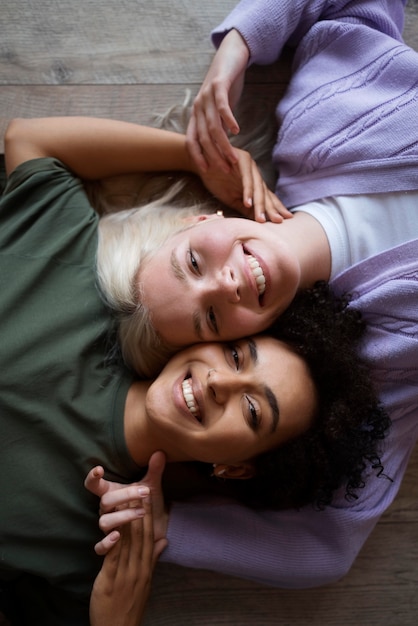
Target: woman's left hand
{"points": [[244, 190], [122, 587], [117, 501]]}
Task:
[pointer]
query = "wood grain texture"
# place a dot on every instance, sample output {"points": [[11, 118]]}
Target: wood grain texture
{"points": [[90, 42], [127, 60]]}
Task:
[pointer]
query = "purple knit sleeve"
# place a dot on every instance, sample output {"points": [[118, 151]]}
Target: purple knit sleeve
{"points": [[286, 549], [267, 25]]}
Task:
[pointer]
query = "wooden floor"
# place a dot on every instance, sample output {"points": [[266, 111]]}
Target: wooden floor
{"points": [[129, 59]]}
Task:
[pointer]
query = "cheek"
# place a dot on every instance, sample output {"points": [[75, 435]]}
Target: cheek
{"points": [[153, 289], [233, 442], [242, 321]]}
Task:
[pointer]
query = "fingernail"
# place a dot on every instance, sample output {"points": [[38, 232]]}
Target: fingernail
{"points": [[143, 491]]}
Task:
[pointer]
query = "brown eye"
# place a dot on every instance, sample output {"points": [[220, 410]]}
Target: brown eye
{"points": [[254, 420], [212, 321], [194, 264], [235, 356]]}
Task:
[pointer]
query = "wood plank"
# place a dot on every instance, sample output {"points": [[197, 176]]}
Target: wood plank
{"points": [[48, 42], [410, 32], [91, 42]]}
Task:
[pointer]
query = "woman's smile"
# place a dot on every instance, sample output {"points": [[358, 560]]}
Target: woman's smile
{"points": [[191, 391], [258, 273], [218, 280], [190, 399], [219, 402]]}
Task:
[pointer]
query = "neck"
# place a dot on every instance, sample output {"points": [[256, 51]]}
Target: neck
{"points": [[138, 438], [305, 235]]}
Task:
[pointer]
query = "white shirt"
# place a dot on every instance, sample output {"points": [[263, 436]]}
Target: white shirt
{"points": [[361, 226]]}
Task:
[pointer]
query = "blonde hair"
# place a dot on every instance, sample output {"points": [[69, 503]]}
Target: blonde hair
{"points": [[126, 239], [139, 213]]}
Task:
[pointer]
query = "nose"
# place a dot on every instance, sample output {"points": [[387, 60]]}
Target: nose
{"points": [[221, 384], [226, 284]]}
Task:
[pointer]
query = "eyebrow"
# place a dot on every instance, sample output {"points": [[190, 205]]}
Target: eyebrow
{"points": [[175, 266], [270, 397], [180, 275]]}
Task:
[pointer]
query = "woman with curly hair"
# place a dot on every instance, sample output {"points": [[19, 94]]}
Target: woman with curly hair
{"points": [[333, 447]]}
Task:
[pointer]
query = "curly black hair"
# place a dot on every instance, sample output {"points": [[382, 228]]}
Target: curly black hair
{"points": [[349, 425]]}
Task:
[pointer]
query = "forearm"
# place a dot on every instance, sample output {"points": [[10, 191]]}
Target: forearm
{"points": [[285, 549], [95, 148]]}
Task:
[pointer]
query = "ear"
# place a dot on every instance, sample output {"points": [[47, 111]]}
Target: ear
{"points": [[195, 219], [241, 471]]}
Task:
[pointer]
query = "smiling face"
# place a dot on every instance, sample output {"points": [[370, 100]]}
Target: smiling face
{"points": [[218, 280], [227, 403]]}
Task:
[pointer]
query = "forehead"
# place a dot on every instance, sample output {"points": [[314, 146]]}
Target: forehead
{"points": [[285, 372], [219, 226]]}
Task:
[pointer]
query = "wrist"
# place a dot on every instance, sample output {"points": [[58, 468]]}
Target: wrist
{"points": [[191, 166]]}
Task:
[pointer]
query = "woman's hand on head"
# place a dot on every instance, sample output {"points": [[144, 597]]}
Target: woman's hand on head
{"points": [[122, 587], [244, 189], [212, 116], [121, 504]]}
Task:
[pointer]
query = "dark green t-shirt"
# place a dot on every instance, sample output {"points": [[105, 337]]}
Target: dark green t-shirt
{"points": [[61, 398]]}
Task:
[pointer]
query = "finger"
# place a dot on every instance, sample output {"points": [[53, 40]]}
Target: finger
{"points": [[123, 496], [211, 131], [159, 547], [156, 467], [142, 538], [249, 192], [259, 195], [209, 135], [271, 206], [228, 119], [194, 146], [117, 519], [107, 543], [94, 481], [275, 209], [225, 112]]}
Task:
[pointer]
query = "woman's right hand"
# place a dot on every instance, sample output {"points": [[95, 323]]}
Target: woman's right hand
{"points": [[244, 190], [212, 116], [122, 587]]}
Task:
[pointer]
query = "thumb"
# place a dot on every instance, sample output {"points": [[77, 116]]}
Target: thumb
{"points": [[156, 468], [159, 547], [94, 481]]}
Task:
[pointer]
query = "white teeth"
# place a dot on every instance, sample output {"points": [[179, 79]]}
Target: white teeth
{"points": [[257, 273], [188, 396]]}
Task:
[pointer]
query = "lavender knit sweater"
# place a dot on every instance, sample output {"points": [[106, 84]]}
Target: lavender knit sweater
{"points": [[347, 115], [368, 146]]}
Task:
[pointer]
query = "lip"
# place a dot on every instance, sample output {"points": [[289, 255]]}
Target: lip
{"points": [[180, 403], [250, 275]]}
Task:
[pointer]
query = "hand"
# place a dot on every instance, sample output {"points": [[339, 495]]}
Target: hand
{"points": [[244, 190], [122, 587], [212, 116], [116, 499]]}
